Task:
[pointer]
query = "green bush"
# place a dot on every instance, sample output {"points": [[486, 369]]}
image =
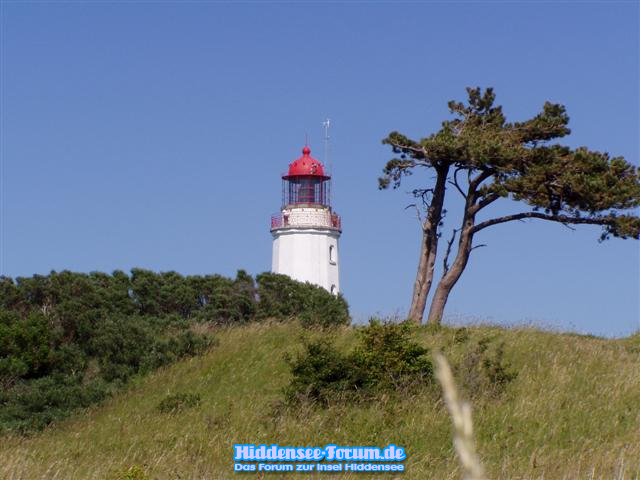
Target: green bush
{"points": [[322, 309], [68, 340], [25, 346], [279, 296], [385, 360], [33, 404], [283, 298], [484, 371], [224, 301], [321, 373], [390, 358]]}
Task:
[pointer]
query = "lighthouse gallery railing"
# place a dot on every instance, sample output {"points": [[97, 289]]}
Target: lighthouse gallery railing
{"points": [[306, 218]]}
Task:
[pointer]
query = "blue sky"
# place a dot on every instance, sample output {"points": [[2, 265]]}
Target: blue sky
{"points": [[153, 135]]}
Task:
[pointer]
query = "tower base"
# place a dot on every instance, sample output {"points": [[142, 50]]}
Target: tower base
{"points": [[308, 254]]}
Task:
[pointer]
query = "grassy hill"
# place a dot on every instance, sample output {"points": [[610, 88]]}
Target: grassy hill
{"points": [[573, 411]]}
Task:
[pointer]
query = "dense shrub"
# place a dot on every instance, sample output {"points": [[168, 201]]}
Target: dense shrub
{"points": [[322, 309], [68, 339], [282, 298], [210, 298], [33, 404], [385, 360], [391, 360], [224, 301], [279, 296], [322, 373], [26, 346], [484, 371], [128, 345]]}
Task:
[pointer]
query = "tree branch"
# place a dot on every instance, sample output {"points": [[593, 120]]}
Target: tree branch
{"points": [[423, 194], [481, 177], [543, 216], [455, 182], [486, 201], [445, 262], [419, 151], [418, 215]]}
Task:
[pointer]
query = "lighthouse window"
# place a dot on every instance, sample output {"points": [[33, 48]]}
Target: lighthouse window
{"points": [[334, 290], [332, 255]]}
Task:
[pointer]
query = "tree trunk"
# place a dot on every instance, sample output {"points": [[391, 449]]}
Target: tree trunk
{"points": [[448, 281], [428, 248], [424, 277]]}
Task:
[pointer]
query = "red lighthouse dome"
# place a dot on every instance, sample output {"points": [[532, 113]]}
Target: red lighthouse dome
{"points": [[306, 182], [306, 166]]}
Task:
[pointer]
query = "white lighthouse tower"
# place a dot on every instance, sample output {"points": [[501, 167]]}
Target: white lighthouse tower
{"points": [[306, 231]]}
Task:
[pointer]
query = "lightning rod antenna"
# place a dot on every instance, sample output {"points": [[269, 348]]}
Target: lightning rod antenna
{"points": [[327, 160]]}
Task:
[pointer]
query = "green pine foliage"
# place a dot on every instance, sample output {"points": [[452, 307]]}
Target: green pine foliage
{"points": [[517, 160]]}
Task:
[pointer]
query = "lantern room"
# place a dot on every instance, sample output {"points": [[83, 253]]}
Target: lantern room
{"points": [[306, 182]]}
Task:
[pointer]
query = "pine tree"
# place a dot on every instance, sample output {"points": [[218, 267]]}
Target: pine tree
{"points": [[488, 159]]}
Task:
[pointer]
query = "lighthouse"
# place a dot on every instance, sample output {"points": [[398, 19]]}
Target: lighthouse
{"points": [[306, 231]]}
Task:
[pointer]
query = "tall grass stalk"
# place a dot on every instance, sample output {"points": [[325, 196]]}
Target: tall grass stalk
{"points": [[460, 412]]}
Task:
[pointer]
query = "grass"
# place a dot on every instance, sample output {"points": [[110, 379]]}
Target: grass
{"points": [[572, 412]]}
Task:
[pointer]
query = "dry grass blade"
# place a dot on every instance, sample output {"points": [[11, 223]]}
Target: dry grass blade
{"points": [[463, 425]]}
